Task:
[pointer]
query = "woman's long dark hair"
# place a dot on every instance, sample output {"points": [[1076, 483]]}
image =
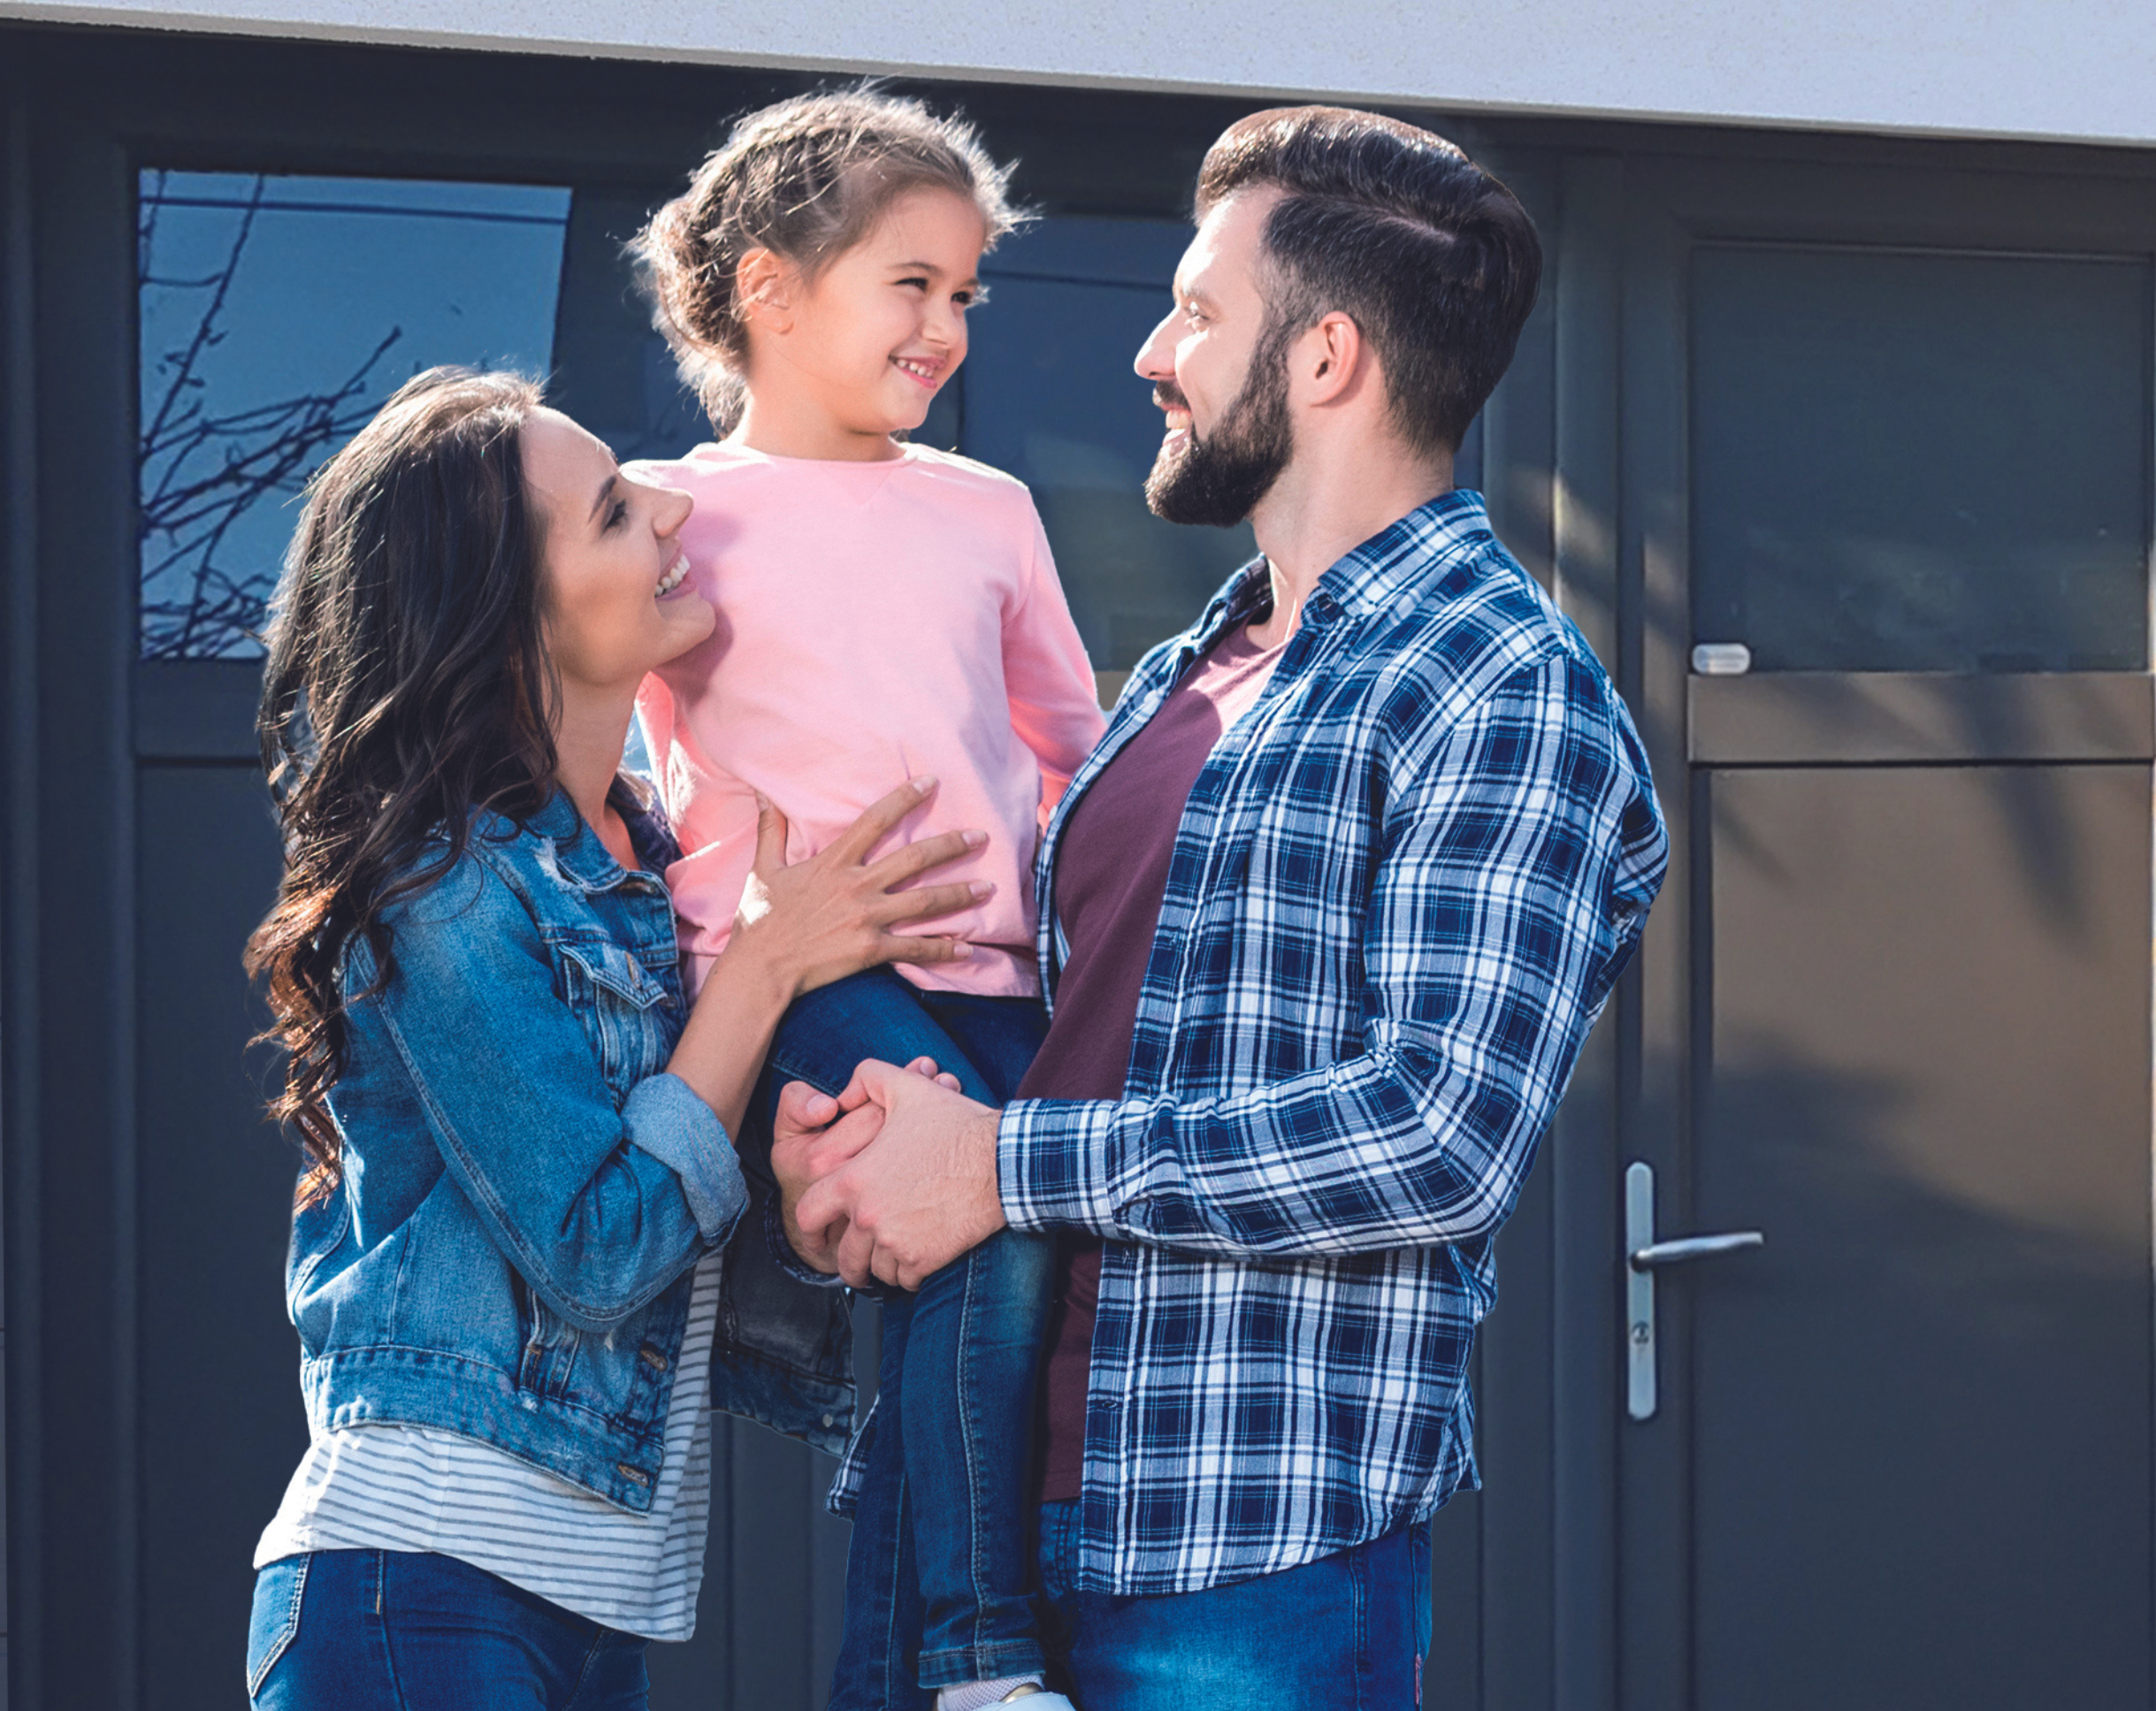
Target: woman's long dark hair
{"points": [[407, 686]]}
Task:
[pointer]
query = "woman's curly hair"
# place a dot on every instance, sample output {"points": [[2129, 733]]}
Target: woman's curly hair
{"points": [[807, 180], [408, 687]]}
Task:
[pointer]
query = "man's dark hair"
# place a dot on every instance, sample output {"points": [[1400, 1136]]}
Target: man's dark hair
{"points": [[1432, 257]]}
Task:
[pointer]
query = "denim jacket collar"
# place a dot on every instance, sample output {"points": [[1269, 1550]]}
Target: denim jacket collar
{"points": [[572, 853]]}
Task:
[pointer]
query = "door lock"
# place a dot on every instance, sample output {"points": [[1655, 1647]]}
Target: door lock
{"points": [[1643, 1256]]}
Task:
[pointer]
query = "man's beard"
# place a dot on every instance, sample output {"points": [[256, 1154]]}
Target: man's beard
{"points": [[1219, 480]]}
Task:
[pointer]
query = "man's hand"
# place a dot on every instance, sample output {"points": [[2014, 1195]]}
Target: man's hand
{"points": [[915, 1184], [812, 1136]]}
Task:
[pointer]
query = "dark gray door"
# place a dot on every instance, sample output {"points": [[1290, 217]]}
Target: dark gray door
{"points": [[1890, 432]]}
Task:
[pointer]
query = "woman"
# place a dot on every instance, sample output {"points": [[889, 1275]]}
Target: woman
{"points": [[504, 1265]]}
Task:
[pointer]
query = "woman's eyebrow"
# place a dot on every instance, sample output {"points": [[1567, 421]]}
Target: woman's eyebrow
{"points": [[605, 490]]}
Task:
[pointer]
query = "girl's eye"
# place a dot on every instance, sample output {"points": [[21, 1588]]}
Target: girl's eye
{"points": [[965, 299], [914, 284], [615, 513]]}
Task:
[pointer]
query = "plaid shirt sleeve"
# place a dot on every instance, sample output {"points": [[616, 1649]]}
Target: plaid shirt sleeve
{"points": [[1508, 892]]}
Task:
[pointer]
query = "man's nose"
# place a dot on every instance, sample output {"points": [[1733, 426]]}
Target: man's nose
{"points": [[1155, 360]]}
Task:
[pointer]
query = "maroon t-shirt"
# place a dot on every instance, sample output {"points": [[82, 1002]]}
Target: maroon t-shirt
{"points": [[1111, 872]]}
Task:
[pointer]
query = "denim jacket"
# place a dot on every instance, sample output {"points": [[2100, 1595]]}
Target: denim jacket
{"points": [[525, 1191]]}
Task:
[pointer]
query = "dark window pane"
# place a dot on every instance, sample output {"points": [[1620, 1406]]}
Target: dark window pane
{"points": [[1921, 462], [277, 315], [1050, 396]]}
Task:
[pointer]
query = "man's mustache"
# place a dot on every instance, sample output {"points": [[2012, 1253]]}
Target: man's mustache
{"points": [[1169, 396]]}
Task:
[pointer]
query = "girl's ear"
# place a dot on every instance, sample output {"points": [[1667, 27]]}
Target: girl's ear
{"points": [[763, 287]]}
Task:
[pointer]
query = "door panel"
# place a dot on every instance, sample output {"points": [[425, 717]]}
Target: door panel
{"points": [[1892, 433], [1922, 1438], [1920, 461], [219, 1397]]}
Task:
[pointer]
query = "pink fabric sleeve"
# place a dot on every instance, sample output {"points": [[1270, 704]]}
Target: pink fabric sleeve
{"points": [[1055, 705], [713, 816]]}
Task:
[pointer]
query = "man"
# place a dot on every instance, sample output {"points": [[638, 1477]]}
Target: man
{"points": [[1324, 922]]}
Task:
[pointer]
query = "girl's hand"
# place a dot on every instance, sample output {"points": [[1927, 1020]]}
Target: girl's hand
{"points": [[831, 915]]}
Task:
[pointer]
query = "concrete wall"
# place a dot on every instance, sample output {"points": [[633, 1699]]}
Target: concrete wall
{"points": [[2067, 69]]}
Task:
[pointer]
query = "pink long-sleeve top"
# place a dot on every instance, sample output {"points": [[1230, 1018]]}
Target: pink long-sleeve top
{"points": [[875, 621]]}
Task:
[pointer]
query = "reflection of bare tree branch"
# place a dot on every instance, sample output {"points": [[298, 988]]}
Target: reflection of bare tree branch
{"points": [[199, 474]]}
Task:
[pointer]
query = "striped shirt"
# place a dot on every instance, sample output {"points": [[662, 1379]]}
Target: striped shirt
{"points": [[415, 1488], [1402, 888]]}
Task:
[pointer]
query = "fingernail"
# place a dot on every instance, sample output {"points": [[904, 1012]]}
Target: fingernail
{"points": [[974, 840], [924, 784], [981, 888], [960, 950]]}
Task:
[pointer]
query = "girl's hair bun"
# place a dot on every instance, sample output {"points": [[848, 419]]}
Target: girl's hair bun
{"points": [[806, 179]]}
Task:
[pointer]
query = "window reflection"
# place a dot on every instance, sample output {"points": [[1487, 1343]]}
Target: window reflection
{"points": [[1050, 396], [277, 313]]}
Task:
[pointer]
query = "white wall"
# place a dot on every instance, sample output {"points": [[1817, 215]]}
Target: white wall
{"points": [[2032, 68]]}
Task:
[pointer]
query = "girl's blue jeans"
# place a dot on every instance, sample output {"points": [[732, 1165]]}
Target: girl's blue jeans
{"points": [[408, 1630], [941, 1545]]}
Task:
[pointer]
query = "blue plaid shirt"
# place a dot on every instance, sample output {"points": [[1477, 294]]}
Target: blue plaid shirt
{"points": [[1401, 891]]}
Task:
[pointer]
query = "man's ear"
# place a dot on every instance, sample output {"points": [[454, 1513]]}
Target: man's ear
{"points": [[763, 291], [1333, 361]]}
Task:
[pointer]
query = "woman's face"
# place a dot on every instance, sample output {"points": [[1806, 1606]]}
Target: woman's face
{"points": [[618, 597]]}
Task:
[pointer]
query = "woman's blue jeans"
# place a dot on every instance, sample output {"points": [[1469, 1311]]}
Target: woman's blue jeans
{"points": [[950, 1457], [408, 1630]]}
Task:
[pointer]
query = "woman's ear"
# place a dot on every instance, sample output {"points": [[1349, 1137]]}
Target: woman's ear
{"points": [[763, 290]]}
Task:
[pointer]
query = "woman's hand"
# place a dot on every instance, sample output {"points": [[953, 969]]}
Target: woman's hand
{"points": [[832, 915], [804, 926]]}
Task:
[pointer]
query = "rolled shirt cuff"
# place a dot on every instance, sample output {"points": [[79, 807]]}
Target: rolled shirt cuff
{"points": [[1056, 1165], [668, 1119]]}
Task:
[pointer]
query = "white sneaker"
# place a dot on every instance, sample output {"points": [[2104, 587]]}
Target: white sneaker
{"points": [[1036, 1698]]}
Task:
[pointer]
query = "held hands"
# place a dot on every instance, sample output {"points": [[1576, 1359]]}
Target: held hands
{"points": [[893, 1180], [832, 914]]}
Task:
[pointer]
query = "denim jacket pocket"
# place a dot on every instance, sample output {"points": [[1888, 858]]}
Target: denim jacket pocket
{"points": [[615, 998], [547, 1366]]}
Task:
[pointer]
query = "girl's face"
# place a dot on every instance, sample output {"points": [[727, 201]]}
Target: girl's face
{"points": [[869, 340], [617, 586]]}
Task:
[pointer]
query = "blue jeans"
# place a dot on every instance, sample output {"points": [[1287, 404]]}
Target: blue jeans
{"points": [[940, 1547], [1348, 1632], [408, 1630]]}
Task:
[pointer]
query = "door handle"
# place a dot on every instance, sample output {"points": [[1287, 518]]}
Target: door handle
{"points": [[1643, 1255], [1684, 1248]]}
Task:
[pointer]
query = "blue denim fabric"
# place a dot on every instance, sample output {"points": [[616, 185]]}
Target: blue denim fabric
{"points": [[525, 1192], [408, 1630], [1347, 1632], [949, 1440]]}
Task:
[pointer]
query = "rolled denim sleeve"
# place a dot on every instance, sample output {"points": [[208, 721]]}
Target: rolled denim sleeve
{"points": [[599, 1208], [666, 1119]]}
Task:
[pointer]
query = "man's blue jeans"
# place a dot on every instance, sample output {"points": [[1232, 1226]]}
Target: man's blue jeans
{"points": [[951, 1452], [1348, 1632], [408, 1630]]}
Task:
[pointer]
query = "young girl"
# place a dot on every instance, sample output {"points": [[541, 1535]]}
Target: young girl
{"points": [[886, 611]]}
